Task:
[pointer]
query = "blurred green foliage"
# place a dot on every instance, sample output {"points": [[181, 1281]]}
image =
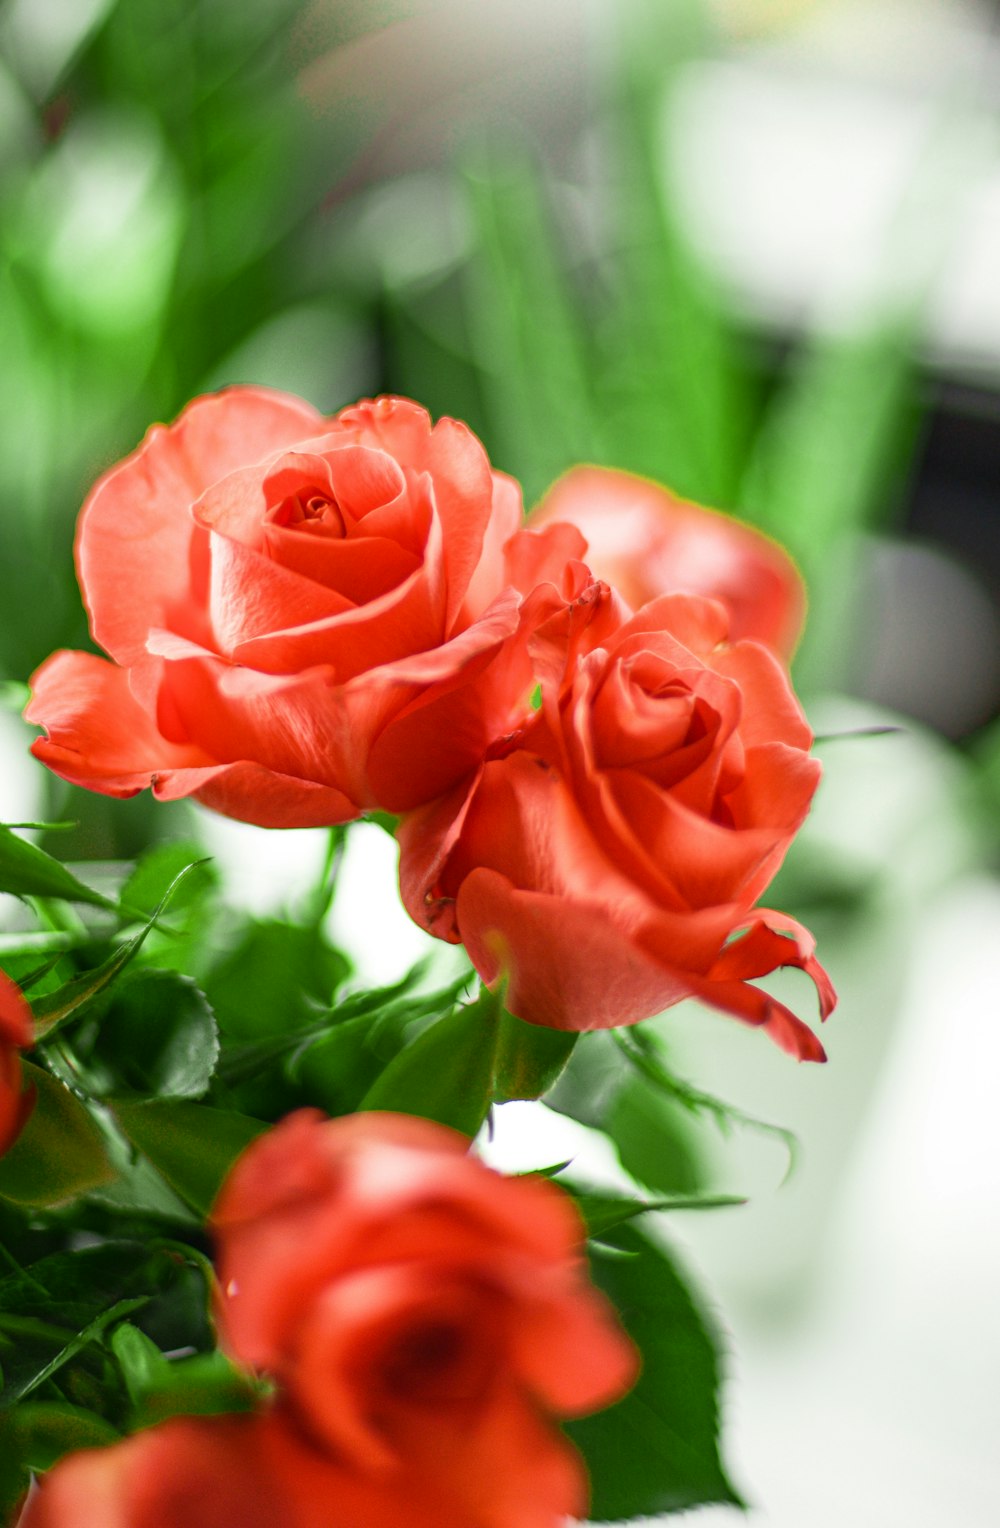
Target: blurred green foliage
{"points": [[177, 212], [162, 186]]}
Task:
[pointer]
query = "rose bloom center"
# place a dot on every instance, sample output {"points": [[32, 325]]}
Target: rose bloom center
{"points": [[313, 510], [436, 1360]]}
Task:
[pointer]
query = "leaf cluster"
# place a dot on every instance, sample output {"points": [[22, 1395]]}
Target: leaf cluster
{"points": [[170, 1031]]}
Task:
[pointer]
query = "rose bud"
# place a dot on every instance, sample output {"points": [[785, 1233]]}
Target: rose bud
{"points": [[606, 863], [297, 610], [647, 542]]}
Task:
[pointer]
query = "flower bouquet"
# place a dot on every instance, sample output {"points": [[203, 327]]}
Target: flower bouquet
{"points": [[256, 1268]]}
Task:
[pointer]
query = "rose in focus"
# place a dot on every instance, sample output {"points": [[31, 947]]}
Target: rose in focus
{"points": [[297, 610], [607, 861], [16, 1031], [646, 542]]}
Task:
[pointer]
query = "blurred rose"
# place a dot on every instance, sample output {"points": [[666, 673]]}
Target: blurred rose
{"points": [[16, 1030], [249, 1471], [425, 1318], [604, 860], [298, 610], [647, 542], [218, 1472]]}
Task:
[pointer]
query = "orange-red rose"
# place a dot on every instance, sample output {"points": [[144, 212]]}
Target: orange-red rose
{"points": [[297, 610], [425, 1318], [605, 860], [216, 1472], [425, 1321], [16, 1030], [647, 542]]}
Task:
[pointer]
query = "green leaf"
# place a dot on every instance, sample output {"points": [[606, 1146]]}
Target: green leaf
{"points": [[828, 464], [142, 1364], [385, 820], [41, 1433], [603, 1212], [138, 1189], [58, 1318], [204, 1385], [76, 997], [95, 1329], [986, 755], [14, 695], [529, 1058], [657, 1449], [192, 1145], [339, 1068], [34, 1436], [188, 942], [27, 871], [278, 979], [53, 1315], [832, 434], [594, 1075], [654, 1137], [158, 1035], [61, 1151], [37, 1435], [641, 1047], [37, 944], [160, 868], [446, 1074], [459, 1066]]}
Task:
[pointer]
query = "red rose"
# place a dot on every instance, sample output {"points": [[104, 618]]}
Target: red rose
{"points": [[425, 1318], [647, 542], [298, 609], [425, 1321], [217, 1472], [249, 1471], [16, 1030], [606, 859]]}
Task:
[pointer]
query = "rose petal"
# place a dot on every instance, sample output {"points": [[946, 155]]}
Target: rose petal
{"points": [[647, 541], [458, 467], [771, 712], [426, 839], [489, 577], [407, 619], [676, 623], [504, 1467], [16, 1030], [534, 941], [16, 1021], [135, 531], [250, 793], [252, 596], [764, 948], [697, 863], [292, 725], [570, 1352], [97, 734], [484, 697], [361, 569]]}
